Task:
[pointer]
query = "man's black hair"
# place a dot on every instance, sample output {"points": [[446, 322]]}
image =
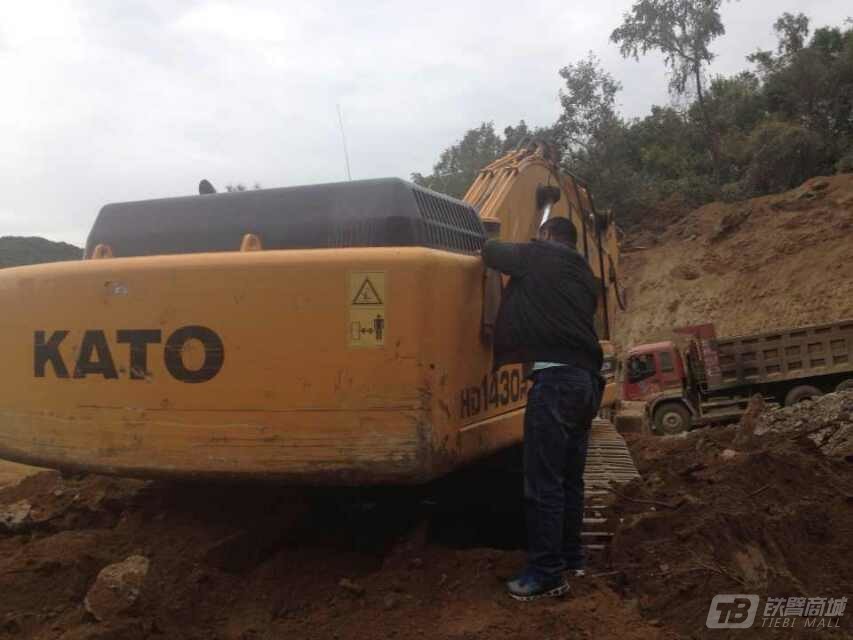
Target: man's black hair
{"points": [[562, 230]]}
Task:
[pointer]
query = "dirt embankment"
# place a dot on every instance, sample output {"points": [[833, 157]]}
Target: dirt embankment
{"points": [[772, 262], [761, 508]]}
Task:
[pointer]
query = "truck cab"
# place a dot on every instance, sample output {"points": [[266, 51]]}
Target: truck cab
{"points": [[715, 378], [651, 369]]}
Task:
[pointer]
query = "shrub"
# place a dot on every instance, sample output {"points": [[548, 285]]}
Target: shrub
{"points": [[845, 164], [782, 156]]}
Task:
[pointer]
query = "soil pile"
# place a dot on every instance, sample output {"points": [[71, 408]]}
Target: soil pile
{"points": [[104, 558], [768, 263], [826, 421], [763, 508], [10, 473]]}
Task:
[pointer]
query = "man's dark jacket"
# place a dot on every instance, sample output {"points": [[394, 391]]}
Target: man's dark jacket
{"points": [[548, 307]]}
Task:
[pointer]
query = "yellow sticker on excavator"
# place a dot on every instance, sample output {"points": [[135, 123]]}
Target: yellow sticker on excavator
{"points": [[367, 299]]}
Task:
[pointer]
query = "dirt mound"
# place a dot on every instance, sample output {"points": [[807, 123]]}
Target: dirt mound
{"points": [[250, 562], [826, 421], [731, 510], [761, 264], [11, 473]]}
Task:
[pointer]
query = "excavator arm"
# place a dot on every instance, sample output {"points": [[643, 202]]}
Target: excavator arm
{"points": [[520, 191]]}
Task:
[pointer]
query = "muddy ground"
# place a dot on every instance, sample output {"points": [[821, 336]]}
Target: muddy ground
{"points": [[250, 562], [761, 509]]}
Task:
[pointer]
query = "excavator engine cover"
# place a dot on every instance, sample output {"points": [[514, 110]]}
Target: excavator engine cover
{"points": [[369, 213]]}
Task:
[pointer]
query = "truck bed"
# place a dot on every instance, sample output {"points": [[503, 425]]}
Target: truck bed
{"points": [[777, 356]]}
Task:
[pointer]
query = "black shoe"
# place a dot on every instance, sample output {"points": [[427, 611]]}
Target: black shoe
{"points": [[531, 585]]}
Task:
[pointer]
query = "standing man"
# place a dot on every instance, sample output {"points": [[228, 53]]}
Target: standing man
{"points": [[546, 318]]}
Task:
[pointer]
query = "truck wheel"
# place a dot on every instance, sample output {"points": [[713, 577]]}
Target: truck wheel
{"points": [[804, 392], [672, 418], [845, 385]]}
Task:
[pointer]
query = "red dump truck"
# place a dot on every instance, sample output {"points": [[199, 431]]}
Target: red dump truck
{"points": [[709, 379]]}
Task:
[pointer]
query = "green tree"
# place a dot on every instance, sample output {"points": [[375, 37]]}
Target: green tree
{"points": [[813, 86], [682, 30], [593, 139], [736, 106], [458, 165], [588, 101], [515, 136], [783, 155], [792, 31]]}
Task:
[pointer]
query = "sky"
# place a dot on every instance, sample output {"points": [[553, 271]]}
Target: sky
{"points": [[106, 101]]}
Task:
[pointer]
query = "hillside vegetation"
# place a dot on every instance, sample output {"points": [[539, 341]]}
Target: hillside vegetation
{"points": [[785, 118], [18, 251]]}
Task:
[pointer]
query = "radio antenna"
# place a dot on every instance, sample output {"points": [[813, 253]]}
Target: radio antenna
{"points": [[344, 138]]}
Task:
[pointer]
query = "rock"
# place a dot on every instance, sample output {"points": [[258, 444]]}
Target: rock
{"points": [[354, 588], [730, 223], [685, 272], [16, 517], [728, 454], [754, 410], [390, 601], [10, 625], [687, 499], [117, 588], [825, 421]]}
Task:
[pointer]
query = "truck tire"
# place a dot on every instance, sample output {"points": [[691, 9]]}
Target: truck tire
{"points": [[845, 385], [803, 392], [672, 418]]}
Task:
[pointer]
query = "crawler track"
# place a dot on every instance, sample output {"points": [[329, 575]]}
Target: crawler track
{"points": [[608, 465]]}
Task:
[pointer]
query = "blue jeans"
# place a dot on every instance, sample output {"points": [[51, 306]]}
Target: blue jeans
{"points": [[560, 408]]}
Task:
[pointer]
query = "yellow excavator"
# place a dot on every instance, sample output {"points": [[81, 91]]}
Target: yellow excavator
{"points": [[333, 334]]}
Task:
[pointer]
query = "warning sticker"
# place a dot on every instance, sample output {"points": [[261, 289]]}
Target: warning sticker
{"points": [[367, 293], [367, 321]]}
